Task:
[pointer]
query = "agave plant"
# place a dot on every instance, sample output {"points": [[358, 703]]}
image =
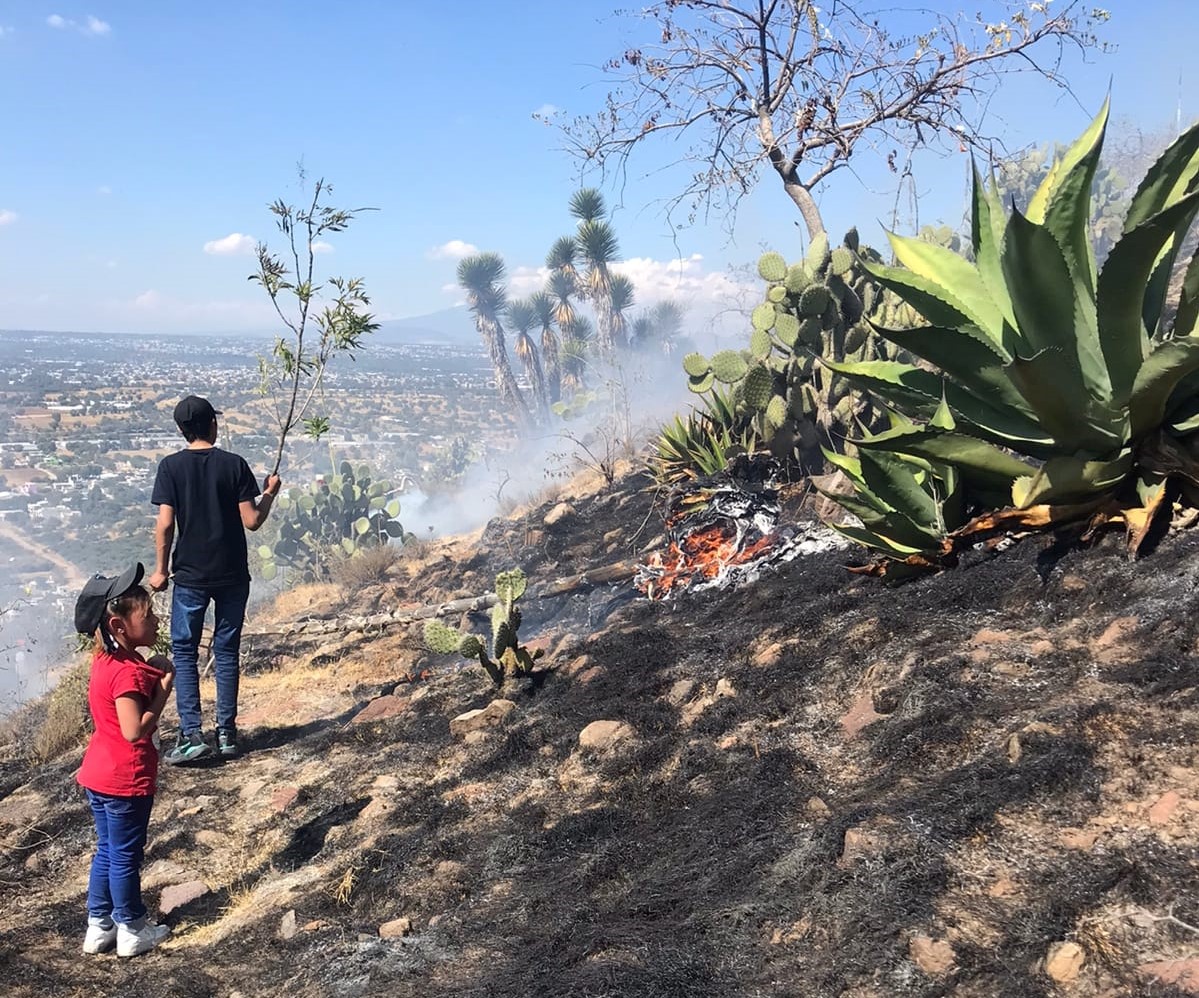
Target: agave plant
{"points": [[1057, 387], [704, 442]]}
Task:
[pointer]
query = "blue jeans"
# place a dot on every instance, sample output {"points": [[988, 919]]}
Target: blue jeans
{"points": [[115, 885], [188, 606]]}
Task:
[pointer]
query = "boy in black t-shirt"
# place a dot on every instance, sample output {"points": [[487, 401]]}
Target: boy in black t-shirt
{"points": [[209, 498]]}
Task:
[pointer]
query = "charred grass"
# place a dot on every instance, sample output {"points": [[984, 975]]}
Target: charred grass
{"points": [[710, 855]]}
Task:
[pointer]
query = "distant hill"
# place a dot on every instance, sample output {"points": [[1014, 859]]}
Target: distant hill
{"points": [[450, 326]]}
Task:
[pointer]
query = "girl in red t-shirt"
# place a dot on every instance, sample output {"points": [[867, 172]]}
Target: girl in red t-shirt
{"points": [[126, 695]]}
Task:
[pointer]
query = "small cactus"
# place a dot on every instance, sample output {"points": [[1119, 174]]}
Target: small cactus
{"points": [[508, 657]]}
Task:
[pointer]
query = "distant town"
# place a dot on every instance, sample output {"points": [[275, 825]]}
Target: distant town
{"points": [[85, 418]]}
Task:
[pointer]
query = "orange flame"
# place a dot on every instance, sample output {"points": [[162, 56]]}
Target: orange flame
{"points": [[703, 555]]}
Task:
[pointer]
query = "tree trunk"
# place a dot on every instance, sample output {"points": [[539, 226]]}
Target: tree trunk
{"points": [[807, 206], [493, 335], [553, 372]]}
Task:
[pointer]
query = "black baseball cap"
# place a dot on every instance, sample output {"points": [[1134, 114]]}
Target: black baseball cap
{"points": [[194, 412], [101, 590]]}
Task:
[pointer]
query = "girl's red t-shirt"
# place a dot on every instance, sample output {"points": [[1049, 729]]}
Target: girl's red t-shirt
{"points": [[112, 764]]}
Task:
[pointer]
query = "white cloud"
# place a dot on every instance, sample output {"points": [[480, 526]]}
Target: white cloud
{"points": [[234, 244], [320, 246], [148, 300], [546, 112], [524, 281], [91, 26], [7, 217], [683, 279], [455, 249], [104, 189], [5, 31]]}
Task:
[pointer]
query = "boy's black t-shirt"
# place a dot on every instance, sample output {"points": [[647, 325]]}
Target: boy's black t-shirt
{"points": [[205, 487]]}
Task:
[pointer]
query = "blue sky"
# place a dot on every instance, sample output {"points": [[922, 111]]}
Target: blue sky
{"points": [[138, 134]]}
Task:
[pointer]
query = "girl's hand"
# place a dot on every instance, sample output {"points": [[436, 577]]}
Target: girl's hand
{"points": [[167, 682]]}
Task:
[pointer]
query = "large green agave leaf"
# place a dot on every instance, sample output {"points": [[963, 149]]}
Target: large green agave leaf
{"points": [[1188, 303], [980, 462], [878, 541], [918, 392], [988, 224], [1068, 212], [956, 275], [1043, 298], [937, 304], [1155, 383], [1070, 479], [1172, 176], [895, 483], [1122, 294], [965, 356]]}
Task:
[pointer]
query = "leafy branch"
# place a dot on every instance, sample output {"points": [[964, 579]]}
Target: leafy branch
{"points": [[319, 329]]}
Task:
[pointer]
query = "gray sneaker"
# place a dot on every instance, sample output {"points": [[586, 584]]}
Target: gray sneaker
{"points": [[226, 742], [190, 748]]}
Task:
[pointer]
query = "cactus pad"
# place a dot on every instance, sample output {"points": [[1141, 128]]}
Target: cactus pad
{"points": [[814, 300], [762, 317], [772, 267], [511, 585], [759, 386], [696, 365], [840, 261], [817, 256], [786, 327], [797, 279], [728, 367], [776, 412], [759, 340]]}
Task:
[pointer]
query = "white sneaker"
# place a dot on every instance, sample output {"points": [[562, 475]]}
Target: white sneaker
{"points": [[139, 937], [101, 935]]}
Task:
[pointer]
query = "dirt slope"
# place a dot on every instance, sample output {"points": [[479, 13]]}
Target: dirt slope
{"points": [[826, 788]]}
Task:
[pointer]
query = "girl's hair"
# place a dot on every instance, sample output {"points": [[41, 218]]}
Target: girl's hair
{"points": [[122, 606]]}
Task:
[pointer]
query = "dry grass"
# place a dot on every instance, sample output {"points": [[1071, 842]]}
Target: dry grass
{"points": [[67, 721], [302, 600], [364, 568]]}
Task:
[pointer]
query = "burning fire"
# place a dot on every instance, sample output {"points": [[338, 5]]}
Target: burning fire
{"points": [[725, 534], [703, 556]]}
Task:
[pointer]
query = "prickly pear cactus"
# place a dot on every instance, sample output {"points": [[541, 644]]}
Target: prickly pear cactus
{"points": [[822, 306], [347, 514], [508, 657]]}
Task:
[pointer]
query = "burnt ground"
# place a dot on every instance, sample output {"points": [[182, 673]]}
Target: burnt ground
{"points": [[976, 765]]}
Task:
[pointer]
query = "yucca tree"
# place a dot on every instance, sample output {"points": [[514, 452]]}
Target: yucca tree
{"points": [[659, 328], [622, 298], [543, 309], [522, 316], [561, 288], [1055, 386], [481, 276], [598, 248], [577, 336], [563, 257]]}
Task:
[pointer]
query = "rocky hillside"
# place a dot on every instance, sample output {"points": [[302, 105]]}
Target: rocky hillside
{"points": [[977, 784]]}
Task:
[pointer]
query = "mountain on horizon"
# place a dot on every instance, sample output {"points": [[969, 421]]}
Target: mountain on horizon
{"points": [[449, 327]]}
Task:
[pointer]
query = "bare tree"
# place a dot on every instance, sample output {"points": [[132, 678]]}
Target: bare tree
{"points": [[800, 87]]}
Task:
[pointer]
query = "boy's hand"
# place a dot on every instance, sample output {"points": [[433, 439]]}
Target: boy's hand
{"points": [[157, 582], [270, 486]]}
